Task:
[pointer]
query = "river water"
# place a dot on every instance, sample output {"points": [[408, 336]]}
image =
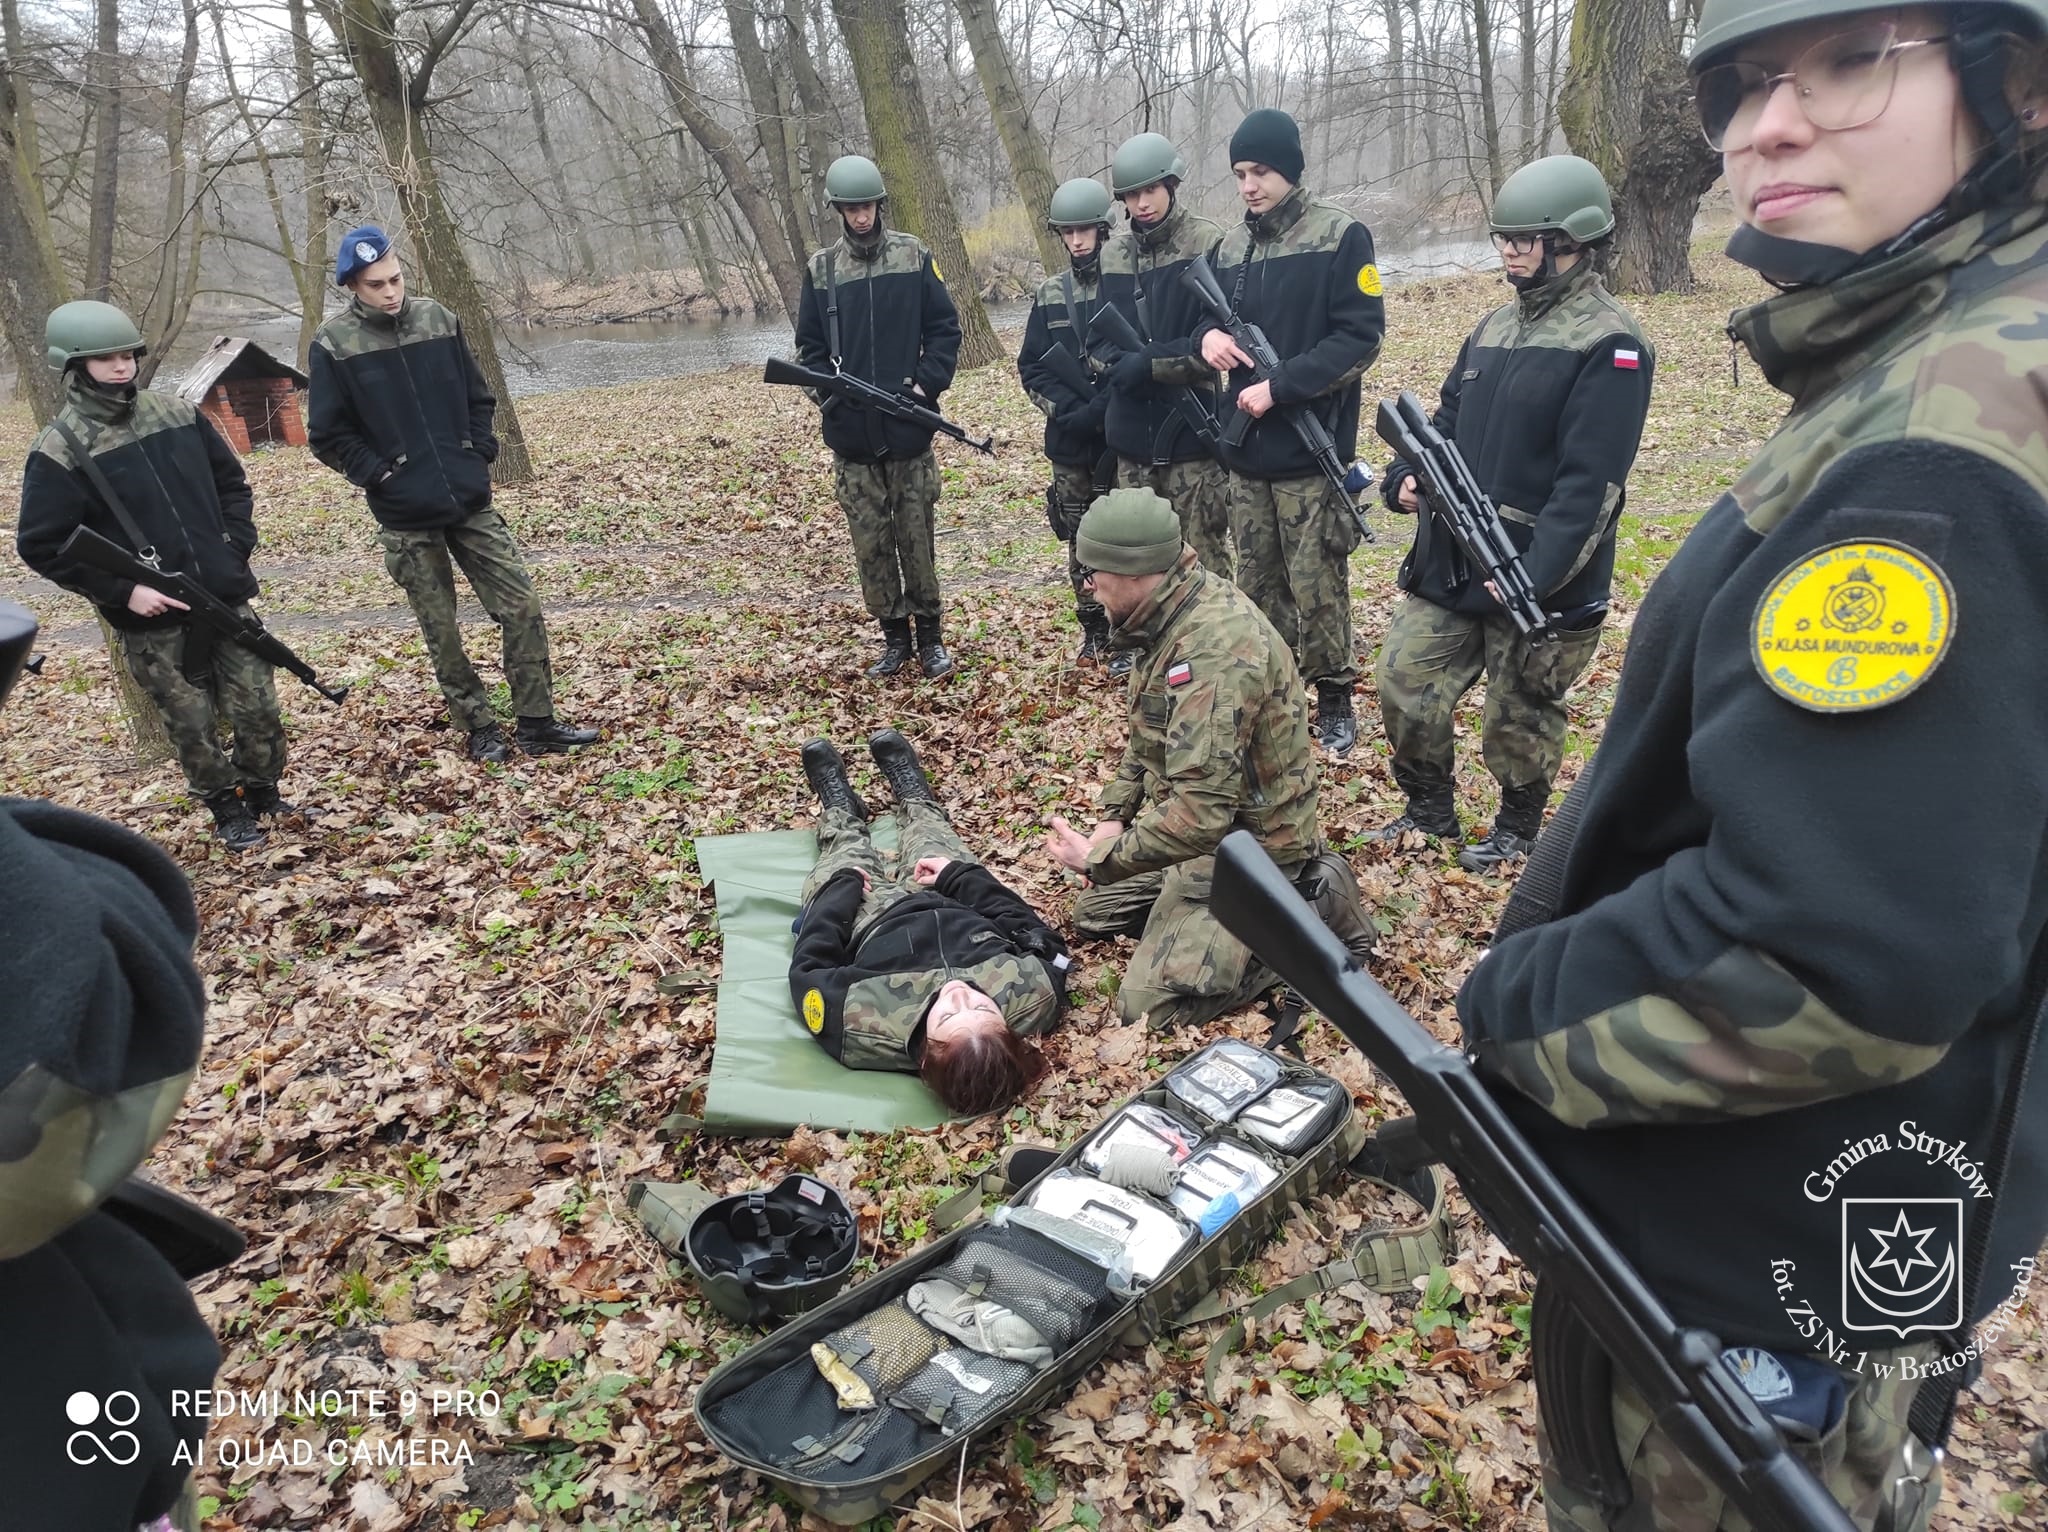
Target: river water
{"points": [[549, 359]]}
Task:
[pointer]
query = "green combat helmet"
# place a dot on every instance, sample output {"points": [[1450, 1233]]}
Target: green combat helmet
{"points": [[1144, 161], [759, 1256], [854, 178], [1562, 194], [86, 328], [1724, 24], [1079, 203]]}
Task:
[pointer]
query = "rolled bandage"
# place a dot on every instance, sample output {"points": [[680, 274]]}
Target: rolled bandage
{"points": [[1138, 1167]]}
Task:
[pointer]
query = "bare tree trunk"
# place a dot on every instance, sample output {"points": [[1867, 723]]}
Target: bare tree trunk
{"points": [[31, 281], [1489, 117], [575, 245], [900, 129], [397, 105], [1532, 105], [309, 270], [695, 115], [1626, 106], [1397, 91], [163, 316], [103, 74], [816, 102], [771, 127], [1030, 165]]}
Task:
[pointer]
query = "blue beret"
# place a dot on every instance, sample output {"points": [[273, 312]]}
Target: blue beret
{"points": [[362, 246]]}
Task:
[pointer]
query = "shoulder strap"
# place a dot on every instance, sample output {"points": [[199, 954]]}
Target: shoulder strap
{"points": [[1073, 310], [832, 306], [144, 548]]}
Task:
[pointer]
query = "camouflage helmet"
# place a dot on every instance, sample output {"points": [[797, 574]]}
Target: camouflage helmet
{"points": [[1561, 192], [764, 1256], [1079, 203], [77, 330], [1145, 160], [1725, 24], [854, 178]]}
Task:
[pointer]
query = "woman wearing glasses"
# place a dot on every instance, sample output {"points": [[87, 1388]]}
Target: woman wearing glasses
{"points": [[1776, 1031], [1546, 403]]}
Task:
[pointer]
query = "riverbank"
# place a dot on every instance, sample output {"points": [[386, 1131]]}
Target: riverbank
{"points": [[448, 1014]]}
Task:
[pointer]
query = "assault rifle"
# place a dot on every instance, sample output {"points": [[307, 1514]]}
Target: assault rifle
{"points": [[1308, 425], [208, 611], [1679, 1372], [860, 391], [1450, 491], [1108, 324]]}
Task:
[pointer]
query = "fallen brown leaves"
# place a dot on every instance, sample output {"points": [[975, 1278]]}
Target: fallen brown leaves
{"points": [[448, 1014]]}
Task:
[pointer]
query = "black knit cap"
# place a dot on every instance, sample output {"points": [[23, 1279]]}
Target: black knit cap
{"points": [[1271, 138]]}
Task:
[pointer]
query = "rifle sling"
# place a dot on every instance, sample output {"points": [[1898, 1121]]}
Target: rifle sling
{"points": [[832, 307], [144, 548]]}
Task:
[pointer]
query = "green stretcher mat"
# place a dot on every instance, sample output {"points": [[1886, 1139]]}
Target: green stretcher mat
{"points": [[768, 1074]]}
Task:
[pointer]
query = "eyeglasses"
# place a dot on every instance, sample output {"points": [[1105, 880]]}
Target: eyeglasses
{"points": [[1842, 81], [1516, 244]]}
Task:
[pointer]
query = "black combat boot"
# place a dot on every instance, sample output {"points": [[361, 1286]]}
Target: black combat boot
{"points": [[489, 745], [1336, 724], [898, 761], [233, 822], [263, 801], [825, 770], [550, 736], [931, 654], [1514, 830], [1094, 634], [895, 651], [1432, 811]]}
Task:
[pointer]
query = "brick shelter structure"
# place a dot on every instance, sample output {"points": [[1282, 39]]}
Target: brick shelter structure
{"points": [[247, 393]]}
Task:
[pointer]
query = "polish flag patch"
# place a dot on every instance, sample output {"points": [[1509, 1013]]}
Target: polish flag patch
{"points": [[1632, 360], [1179, 673]]}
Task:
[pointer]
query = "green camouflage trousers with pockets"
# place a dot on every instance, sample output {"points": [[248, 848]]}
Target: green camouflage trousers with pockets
{"points": [[240, 694], [1187, 969], [1857, 1462], [489, 555], [890, 509], [1432, 657], [922, 830], [1294, 559], [1199, 493], [1074, 488]]}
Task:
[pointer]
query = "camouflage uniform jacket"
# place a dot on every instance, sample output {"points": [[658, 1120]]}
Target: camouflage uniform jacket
{"points": [[399, 407], [1303, 272], [1219, 733], [1073, 420], [1546, 402], [897, 328], [864, 992], [180, 483], [105, 1015], [1141, 275], [1789, 926]]}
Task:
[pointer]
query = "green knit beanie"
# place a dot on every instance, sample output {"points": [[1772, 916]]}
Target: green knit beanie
{"points": [[1129, 532]]}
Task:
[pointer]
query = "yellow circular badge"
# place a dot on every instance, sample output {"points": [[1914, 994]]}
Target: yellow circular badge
{"points": [[1853, 626], [1369, 280], [814, 1011], [936, 272]]}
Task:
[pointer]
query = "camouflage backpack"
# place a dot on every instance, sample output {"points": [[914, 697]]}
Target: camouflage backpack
{"points": [[853, 1405]]}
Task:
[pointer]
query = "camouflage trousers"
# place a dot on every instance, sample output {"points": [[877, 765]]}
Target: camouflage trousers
{"points": [[1432, 657], [1187, 969], [1199, 493], [1856, 1462], [420, 563], [1294, 547], [239, 694], [1073, 486], [889, 510], [922, 830]]}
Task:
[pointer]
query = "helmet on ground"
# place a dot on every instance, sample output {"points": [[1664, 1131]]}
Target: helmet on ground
{"points": [[1562, 193], [764, 1256], [854, 178], [1143, 161], [1079, 203], [86, 327]]}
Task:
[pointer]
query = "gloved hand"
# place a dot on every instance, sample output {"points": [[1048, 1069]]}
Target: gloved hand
{"points": [[1131, 370]]}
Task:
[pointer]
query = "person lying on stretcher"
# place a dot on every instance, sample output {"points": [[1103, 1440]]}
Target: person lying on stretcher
{"points": [[931, 967]]}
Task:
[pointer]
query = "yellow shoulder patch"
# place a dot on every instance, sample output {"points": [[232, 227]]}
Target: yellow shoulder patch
{"points": [[1369, 280], [1853, 626], [814, 1011], [936, 272]]}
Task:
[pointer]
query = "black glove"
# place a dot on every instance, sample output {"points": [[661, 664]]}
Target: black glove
{"points": [[1131, 370]]}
